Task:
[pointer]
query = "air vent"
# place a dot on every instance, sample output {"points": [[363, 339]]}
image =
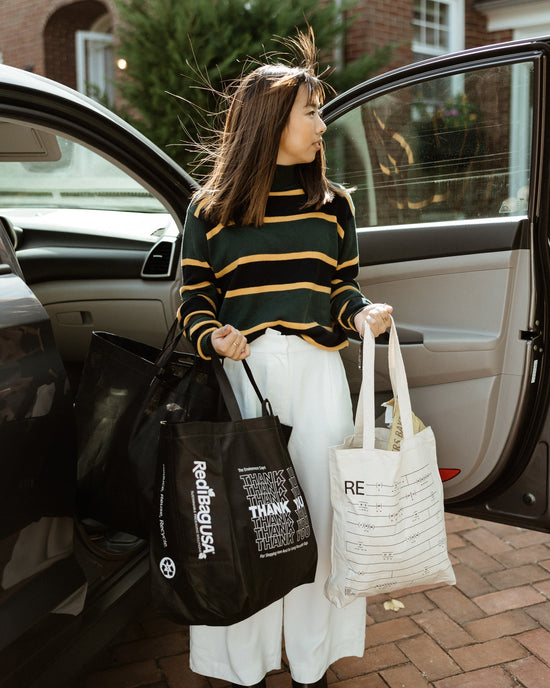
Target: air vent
{"points": [[160, 260]]}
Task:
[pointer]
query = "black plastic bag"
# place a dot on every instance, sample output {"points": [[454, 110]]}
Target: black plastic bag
{"points": [[231, 532], [126, 389]]}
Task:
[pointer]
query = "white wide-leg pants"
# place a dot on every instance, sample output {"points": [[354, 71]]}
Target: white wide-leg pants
{"points": [[308, 390]]}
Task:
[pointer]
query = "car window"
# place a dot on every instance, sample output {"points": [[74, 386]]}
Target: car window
{"points": [[450, 148], [52, 181]]}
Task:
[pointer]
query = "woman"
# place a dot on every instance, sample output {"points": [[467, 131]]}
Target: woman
{"points": [[269, 267]]}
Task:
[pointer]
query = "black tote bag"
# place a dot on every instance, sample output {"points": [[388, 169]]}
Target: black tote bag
{"points": [[231, 531], [126, 389]]}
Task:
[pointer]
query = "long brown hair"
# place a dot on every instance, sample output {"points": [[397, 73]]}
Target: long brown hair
{"points": [[245, 155]]}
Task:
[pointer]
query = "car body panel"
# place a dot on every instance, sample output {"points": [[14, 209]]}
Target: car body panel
{"points": [[38, 439], [82, 263]]}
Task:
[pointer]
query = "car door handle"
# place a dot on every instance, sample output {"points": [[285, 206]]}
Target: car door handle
{"points": [[74, 318], [406, 336]]}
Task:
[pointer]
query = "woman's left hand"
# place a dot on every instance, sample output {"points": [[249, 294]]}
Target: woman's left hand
{"points": [[376, 316], [227, 341]]}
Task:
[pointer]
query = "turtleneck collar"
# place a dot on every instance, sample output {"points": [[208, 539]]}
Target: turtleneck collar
{"points": [[286, 178]]}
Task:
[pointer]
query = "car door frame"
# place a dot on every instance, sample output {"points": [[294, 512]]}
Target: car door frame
{"points": [[509, 493]]}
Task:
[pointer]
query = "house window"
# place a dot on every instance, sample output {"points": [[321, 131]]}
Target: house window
{"points": [[438, 27], [94, 65]]}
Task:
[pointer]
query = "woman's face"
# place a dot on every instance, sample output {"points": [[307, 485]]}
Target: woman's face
{"points": [[302, 135]]}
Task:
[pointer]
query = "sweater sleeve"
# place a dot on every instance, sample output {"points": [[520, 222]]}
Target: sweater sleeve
{"points": [[199, 293], [346, 297]]}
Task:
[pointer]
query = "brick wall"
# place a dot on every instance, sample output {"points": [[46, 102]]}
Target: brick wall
{"points": [[377, 23], [21, 41], [39, 34]]}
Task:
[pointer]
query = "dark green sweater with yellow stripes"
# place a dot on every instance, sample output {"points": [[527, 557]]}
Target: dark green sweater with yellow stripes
{"points": [[295, 274]]}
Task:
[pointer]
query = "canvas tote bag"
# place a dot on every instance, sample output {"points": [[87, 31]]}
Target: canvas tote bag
{"points": [[388, 516]]}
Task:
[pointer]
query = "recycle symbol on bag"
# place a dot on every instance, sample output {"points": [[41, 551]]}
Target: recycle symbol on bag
{"points": [[167, 567]]}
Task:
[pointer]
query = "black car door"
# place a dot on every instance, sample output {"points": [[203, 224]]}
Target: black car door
{"points": [[94, 212], [449, 158], [36, 417]]}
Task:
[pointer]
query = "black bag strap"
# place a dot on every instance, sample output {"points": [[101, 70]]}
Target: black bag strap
{"points": [[170, 343], [229, 395], [253, 382], [168, 348]]}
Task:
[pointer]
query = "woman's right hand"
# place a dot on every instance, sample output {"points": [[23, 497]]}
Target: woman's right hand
{"points": [[228, 342]]}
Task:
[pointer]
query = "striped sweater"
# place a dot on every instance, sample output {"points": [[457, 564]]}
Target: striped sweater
{"points": [[295, 274]]}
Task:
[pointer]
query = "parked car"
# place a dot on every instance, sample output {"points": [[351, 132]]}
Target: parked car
{"points": [[450, 160]]}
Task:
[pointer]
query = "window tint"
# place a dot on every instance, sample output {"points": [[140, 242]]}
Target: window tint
{"points": [[456, 147]]}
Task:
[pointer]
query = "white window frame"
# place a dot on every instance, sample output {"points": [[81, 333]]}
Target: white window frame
{"points": [[455, 30], [94, 64]]}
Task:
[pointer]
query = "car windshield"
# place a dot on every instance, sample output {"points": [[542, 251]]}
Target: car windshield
{"points": [[67, 176]]}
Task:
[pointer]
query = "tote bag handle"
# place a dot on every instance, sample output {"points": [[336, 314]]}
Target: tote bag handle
{"points": [[365, 416], [168, 348], [229, 395]]}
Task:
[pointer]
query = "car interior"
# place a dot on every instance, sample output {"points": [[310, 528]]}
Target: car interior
{"points": [[93, 264]]}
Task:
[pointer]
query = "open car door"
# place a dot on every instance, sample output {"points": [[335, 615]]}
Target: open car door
{"points": [[449, 158], [90, 222], [37, 460]]}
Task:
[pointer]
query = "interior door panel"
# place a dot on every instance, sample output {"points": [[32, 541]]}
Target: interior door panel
{"points": [[471, 362], [138, 309]]}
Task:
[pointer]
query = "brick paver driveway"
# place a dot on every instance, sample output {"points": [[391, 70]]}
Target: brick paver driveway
{"points": [[491, 630]]}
